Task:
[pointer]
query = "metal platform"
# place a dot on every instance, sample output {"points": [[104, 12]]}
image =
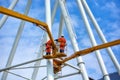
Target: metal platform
{"points": [[57, 65], [57, 55]]}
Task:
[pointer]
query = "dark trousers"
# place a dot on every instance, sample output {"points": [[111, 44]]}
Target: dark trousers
{"points": [[47, 53], [61, 50]]}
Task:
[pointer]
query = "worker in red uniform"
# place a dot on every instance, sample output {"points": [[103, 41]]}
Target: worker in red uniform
{"points": [[48, 45], [62, 41]]}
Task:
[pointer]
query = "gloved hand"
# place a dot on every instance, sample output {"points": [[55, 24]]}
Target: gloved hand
{"points": [[56, 40]]}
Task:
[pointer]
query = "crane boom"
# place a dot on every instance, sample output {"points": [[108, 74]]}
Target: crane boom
{"points": [[40, 23], [89, 50], [29, 19]]}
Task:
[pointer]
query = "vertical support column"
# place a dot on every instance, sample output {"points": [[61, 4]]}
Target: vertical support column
{"points": [[73, 40], [39, 55], [4, 18], [15, 44], [50, 74], [111, 54], [34, 75], [61, 23], [102, 66], [61, 26], [54, 11]]}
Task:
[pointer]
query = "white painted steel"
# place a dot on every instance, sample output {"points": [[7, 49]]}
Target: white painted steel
{"points": [[10, 67], [50, 74], [98, 55], [28, 67], [34, 75], [54, 11], [49, 21], [72, 38], [67, 75], [15, 44], [17, 75], [61, 26], [72, 66], [4, 18], [99, 31], [39, 55]]}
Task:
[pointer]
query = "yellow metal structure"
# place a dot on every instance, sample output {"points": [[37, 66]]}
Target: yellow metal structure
{"points": [[57, 55], [89, 50], [21, 16], [29, 19], [57, 63]]}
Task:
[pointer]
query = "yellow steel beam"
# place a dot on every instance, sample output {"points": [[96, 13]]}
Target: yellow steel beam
{"points": [[29, 19], [21, 16], [89, 50]]}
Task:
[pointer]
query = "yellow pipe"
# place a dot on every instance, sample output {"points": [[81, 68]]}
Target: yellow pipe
{"points": [[89, 50], [21, 16], [29, 19], [39, 23], [51, 38]]}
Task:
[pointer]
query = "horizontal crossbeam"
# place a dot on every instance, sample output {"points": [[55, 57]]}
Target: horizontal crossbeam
{"points": [[17, 75], [67, 75], [8, 68]]}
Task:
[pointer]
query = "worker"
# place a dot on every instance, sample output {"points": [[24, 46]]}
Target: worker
{"points": [[49, 42], [48, 45], [62, 42]]}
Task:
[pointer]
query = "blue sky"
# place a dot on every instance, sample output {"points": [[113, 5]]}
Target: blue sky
{"points": [[106, 12]]}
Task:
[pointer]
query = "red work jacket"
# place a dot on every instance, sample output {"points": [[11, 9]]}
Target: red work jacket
{"points": [[49, 42], [62, 42], [48, 48]]}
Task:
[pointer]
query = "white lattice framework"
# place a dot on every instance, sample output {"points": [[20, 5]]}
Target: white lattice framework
{"points": [[82, 4]]}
